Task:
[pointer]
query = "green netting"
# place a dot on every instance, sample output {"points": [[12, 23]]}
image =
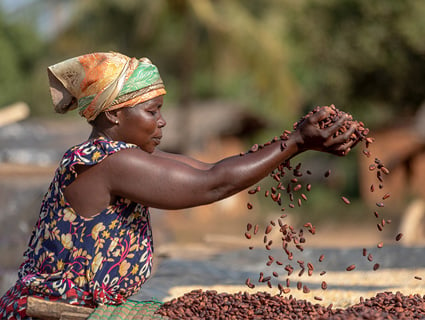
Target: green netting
{"points": [[131, 309]]}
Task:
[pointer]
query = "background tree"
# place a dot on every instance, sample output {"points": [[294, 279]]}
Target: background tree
{"points": [[365, 55], [277, 57], [20, 51]]}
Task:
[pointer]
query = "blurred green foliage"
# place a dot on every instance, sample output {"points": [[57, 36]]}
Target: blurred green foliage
{"points": [[20, 51], [367, 56], [279, 58]]}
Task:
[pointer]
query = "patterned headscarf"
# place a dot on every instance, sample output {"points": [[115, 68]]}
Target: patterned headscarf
{"points": [[99, 82]]}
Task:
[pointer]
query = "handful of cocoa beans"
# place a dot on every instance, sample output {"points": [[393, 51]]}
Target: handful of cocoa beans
{"points": [[335, 114]]}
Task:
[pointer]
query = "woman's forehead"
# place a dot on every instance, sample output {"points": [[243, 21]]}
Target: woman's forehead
{"points": [[155, 102]]}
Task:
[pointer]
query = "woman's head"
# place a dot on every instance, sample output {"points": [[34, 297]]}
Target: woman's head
{"points": [[99, 82], [120, 96], [141, 125]]}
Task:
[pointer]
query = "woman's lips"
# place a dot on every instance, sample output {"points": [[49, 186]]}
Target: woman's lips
{"points": [[157, 140]]}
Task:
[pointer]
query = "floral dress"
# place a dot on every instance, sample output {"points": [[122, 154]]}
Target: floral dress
{"points": [[84, 261]]}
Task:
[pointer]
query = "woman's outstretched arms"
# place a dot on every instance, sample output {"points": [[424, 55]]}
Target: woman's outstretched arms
{"points": [[168, 181]]}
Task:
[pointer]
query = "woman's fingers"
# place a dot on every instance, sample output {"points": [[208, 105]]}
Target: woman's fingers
{"points": [[337, 125], [330, 130], [342, 143], [321, 115], [345, 135], [355, 142], [343, 148]]}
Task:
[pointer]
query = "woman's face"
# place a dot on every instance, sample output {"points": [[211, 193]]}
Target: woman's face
{"points": [[142, 124]]}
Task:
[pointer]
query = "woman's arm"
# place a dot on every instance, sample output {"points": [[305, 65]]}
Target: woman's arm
{"points": [[176, 182], [169, 183], [184, 159]]}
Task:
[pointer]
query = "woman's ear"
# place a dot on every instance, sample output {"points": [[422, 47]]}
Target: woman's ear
{"points": [[112, 116]]}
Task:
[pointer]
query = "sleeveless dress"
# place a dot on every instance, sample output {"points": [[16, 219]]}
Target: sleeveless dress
{"points": [[84, 261]]}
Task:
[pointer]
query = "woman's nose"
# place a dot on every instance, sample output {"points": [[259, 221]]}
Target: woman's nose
{"points": [[161, 122]]}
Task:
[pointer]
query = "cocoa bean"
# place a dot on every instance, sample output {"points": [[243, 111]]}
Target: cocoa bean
{"points": [[351, 267], [297, 187], [346, 201], [385, 196], [268, 229], [254, 148]]}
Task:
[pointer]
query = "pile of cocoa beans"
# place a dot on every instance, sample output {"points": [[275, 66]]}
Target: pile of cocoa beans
{"points": [[199, 304]]}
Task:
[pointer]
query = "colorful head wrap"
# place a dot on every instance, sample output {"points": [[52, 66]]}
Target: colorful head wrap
{"points": [[99, 82]]}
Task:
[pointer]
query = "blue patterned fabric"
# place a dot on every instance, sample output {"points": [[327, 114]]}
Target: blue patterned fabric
{"points": [[86, 261]]}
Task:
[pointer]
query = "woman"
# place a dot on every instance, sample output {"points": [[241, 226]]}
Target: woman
{"points": [[92, 242]]}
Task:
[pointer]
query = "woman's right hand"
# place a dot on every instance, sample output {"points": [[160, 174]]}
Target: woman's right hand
{"points": [[337, 138]]}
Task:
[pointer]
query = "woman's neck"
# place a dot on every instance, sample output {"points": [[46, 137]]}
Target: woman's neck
{"points": [[95, 133]]}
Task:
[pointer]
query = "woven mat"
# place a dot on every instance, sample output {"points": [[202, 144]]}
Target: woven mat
{"points": [[129, 310]]}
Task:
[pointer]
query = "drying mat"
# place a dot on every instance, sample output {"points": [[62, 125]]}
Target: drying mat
{"points": [[137, 310]]}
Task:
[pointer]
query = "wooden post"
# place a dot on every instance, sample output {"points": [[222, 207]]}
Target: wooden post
{"points": [[48, 310], [13, 113]]}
